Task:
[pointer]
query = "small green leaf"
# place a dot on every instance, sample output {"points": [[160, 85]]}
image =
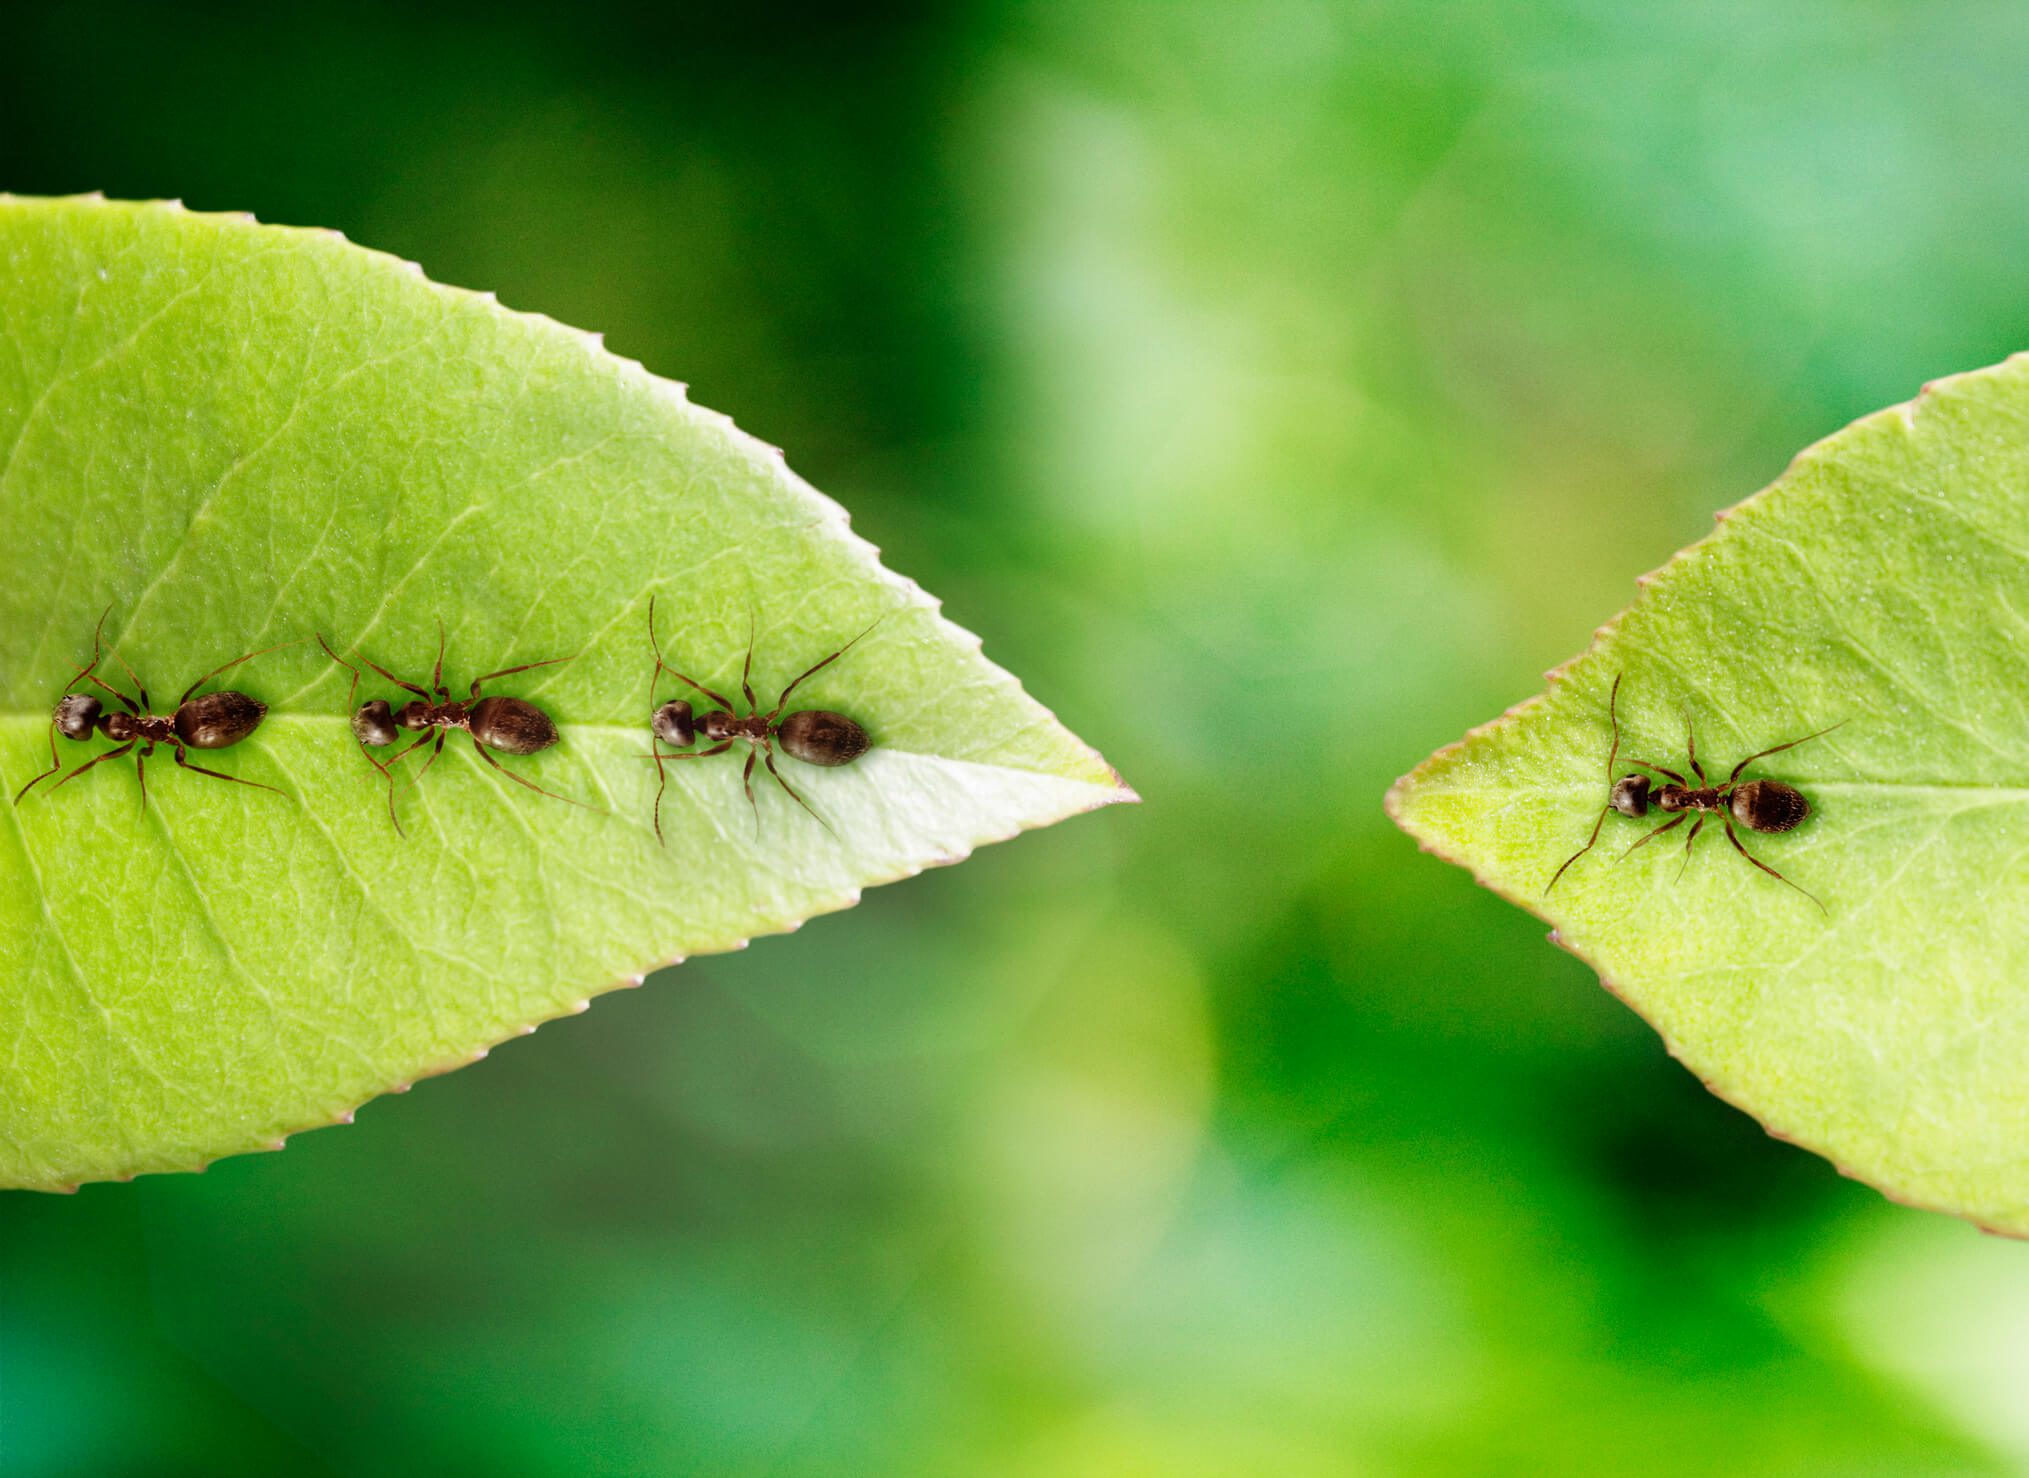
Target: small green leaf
{"points": [[1881, 584], [234, 435]]}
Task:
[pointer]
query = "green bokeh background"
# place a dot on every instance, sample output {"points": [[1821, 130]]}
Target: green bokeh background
{"points": [[1278, 388]]}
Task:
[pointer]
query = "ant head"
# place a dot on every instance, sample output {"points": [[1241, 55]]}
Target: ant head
{"points": [[673, 725], [1631, 795], [76, 714], [374, 724]]}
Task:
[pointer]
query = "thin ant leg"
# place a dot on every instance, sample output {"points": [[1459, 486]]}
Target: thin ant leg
{"points": [[662, 775], [1733, 838], [662, 667], [182, 760], [768, 756], [436, 748], [133, 678], [437, 677], [525, 667], [353, 691], [783, 701], [1681, 818], [1589, 841], [747, 780], [128, 703], [423, 693], [388, 770], [1668, 774], [228, 667], [1613, 717], [1691, 750], [1778, 750], [747, 672], [1698, 827], [141, 770], [111, 754], [487, 755]]}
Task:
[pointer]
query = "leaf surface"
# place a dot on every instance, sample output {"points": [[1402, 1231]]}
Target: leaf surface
{"points": [[1882, 584], [233, 435]]}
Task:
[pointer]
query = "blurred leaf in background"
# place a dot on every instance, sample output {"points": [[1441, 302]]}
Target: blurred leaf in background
{"points": [[1278, 388]]}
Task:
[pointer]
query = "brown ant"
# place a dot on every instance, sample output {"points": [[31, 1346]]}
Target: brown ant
{"points": [[510, 725], [1765, 806], [215, 721], [817, 736]]}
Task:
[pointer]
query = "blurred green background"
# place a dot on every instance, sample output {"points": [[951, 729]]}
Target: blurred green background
{"points": [[1279, 388]]}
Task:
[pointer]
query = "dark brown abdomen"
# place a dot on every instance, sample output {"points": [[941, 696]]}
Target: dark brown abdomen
{"points": [[218, 719], [1769, 805], [819, 737], [511, 726]]}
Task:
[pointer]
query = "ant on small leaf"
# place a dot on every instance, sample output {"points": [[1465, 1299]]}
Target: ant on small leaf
{"points": [[1765, 806], [215, 721], [510, 725], [817, 736]]}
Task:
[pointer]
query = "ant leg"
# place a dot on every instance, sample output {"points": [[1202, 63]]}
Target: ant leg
{"points": [[436, 749], [525, 667], [1778, 750], [655, 744], [1581, 851], [352, 692], [1613, 717], [747, 672], [228, 667], [1667, 774], [662, 667], [747, 780], [1681, 818], [437, 678], [768, 756], [183, 760], [422, 693], [1687, 844], [662, 775], [1691, 751], [1734, 838], [141, 772], [111, 754], [783, 701], [486, 755]]}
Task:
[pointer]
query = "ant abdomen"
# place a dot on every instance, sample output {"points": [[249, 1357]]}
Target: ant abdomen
{"points": [[511, 726], [218, 720], [818, 736], [1768, 805], [374, 724], [674, 725], [76, 714], [1630, 796]]}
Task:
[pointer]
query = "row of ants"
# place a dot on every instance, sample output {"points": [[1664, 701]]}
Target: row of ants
{"points": [[495, 723]]}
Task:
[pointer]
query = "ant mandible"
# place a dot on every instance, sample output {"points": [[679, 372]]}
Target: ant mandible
{"points": [[215, 721], [1765, 806], [510, 725], [817, 736]]}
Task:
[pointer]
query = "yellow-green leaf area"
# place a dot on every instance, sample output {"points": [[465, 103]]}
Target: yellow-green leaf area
{"points": [[232, 435], [1882, 584]]}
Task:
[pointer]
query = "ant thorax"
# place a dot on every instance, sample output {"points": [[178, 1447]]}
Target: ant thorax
{"points": [[719, 725]]}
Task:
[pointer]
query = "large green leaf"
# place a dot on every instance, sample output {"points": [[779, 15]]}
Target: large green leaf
{"points": [[1882, 584], [235, 435]]}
